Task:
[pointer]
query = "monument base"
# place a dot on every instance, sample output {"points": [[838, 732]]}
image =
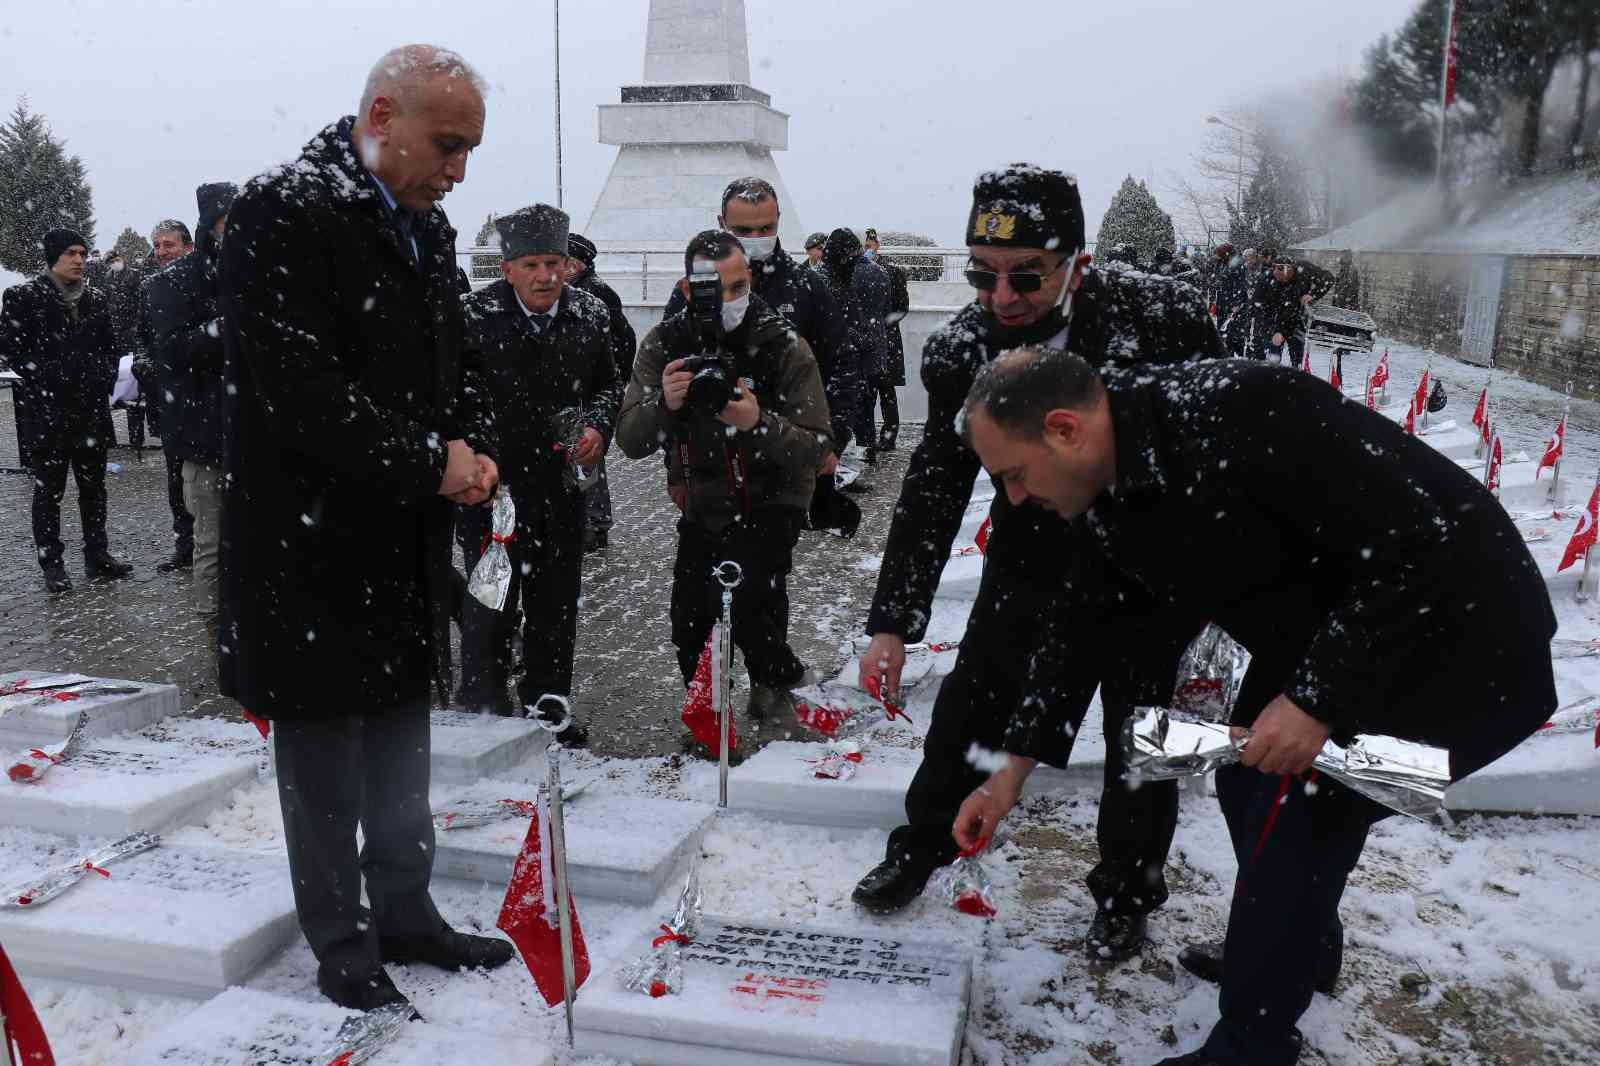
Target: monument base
{"points": [[26, 721]]}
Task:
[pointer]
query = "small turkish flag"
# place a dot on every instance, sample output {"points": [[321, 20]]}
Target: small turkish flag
{"points": [[1480, 412], [982, 539], [1305, 361], [1553, 447], [1419, 400], [1411, 421], [1372, 396], [699, 705], [23, 1036], [1333, 375], [530, 916], [1583, 537], [1491, 480], [1380, 373]]}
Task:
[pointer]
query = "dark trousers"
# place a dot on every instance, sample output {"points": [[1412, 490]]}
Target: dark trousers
{"points": [[49, 465], [763, 544], [889, 400], [1295, 847], [182, 520], [370, 770], [863, 427], [598, 501], [975, 703], [547, 564]]}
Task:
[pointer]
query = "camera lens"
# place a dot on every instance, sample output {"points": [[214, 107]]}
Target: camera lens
{"points": [[710, 389]]}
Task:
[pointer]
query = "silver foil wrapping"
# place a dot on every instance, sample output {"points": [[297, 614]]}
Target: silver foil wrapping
{"points": [[40, 890], [490, 582], [836, 710], [364, 1035], [1209, 675], [838, 761], [568, 427], [965, 886], [1579, 716], [1403, 776], [467, 814], [660, 972], [31, 765]]}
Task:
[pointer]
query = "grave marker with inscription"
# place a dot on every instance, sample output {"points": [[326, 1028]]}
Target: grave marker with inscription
{"points": [[46, 706]]}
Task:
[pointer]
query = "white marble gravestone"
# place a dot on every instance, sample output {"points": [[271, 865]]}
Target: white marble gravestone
{"points": [[624, 848], [181, 920], [244, 1027], [693, 125], [469, 747], [27, 720], [764, 993], [1546, 774], [167, 774]]}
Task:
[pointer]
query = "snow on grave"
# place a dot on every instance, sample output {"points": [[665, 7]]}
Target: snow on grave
{"points": [[244, 1027], [621, 847], [163, 775], [1545, 774], [470, 747], [960, 578], [180, 920], [48, 715], [762, 993]]}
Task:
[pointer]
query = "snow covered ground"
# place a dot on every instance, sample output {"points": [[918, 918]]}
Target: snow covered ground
{"points": [[1477, 944]]}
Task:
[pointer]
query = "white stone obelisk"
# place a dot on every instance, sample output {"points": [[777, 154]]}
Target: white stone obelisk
{"points": [[693, 125]]}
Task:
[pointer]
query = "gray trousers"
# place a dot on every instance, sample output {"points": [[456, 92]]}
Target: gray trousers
{"points": [[370, 770], [202, 498]]}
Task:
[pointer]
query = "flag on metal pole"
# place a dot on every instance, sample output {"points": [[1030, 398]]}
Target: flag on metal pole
{"points": [[1491, 477], [1583, 537], [20, 1032]]}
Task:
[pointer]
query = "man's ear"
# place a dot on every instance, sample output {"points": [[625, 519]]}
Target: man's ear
{"points": [[380, 115], [683, 287], [505, 270], [1064, 424], [1078, 268]]}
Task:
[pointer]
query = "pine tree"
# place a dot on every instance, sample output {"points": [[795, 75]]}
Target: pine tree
{"points": [[41, 187], [131, 245], [1275, 209], [1135, 218], [486, 266], [486, 235]]}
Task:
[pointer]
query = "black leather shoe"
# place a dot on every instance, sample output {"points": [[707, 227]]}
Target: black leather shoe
{"points": [[358, 985], [180, 561], [105, 565], [1204, 960], [56, 579], [692, 747], [1114, 937], [449, 950], [894, 883]]}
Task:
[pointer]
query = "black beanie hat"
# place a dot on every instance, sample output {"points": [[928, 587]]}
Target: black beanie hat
{"points": [[1026, 206], [58, 241], [842, 246], [537, 230], [816, 240], [581, 247], [215, 200]]}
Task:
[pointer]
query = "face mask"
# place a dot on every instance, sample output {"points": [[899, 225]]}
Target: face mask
{"points": [[869, 254], [759, 248], [733, 312], [114, 267]]}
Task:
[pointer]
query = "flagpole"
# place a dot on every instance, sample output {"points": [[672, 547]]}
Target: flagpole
{"points": [[558, 850], [558, 102], [1555, 470], [1583, 579], [729, 575], [1447, 62]]}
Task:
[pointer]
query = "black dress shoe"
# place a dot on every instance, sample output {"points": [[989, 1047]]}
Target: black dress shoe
{"points": [[56, 579], [449, 950], [692, 746], [180, 561], [575, 735], [1204, 960], [357, 985], [1114, 937], [895, 882], [105, 565]]}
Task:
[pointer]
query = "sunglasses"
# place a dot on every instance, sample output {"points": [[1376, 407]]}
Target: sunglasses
{"points": [[986, 280]]}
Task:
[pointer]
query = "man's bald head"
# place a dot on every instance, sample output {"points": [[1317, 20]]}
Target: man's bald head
{"points": [[421, 116]]}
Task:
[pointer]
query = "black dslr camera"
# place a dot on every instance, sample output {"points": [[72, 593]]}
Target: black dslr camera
{"points": [[714, 383]]}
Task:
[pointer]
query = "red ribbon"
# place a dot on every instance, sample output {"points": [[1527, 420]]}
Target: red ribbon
{"points": [[976, 849], [493, 537], [102, 871], [63, 697], [669, 937]]}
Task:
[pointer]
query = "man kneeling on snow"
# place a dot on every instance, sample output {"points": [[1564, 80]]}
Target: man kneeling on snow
{"points": [[1378, 588]]}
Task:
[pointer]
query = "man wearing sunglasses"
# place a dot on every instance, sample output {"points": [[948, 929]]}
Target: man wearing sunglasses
{"points": [[1034, 286]]}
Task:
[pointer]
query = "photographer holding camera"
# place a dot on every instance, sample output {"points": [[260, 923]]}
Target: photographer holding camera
{"points": [[732, 393]]}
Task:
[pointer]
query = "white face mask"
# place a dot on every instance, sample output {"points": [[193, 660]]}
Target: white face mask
{"points": [[733, 312], [759, 249], [114, 267]]}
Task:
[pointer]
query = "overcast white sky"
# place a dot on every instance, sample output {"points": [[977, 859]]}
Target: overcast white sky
{"points": [[895, 106]]}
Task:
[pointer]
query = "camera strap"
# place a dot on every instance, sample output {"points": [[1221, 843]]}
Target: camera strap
{"points": [[740, 486]]}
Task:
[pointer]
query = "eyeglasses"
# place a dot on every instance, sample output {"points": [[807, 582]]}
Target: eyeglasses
{"points": [[1028, 281]]}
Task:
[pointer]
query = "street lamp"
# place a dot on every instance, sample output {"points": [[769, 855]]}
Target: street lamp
{"points": [[1238, 190]]}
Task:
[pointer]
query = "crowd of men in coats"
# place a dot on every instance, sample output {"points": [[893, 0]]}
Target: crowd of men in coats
{"points": [[350, 411]]}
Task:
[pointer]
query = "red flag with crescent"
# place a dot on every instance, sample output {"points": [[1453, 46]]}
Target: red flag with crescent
{"points": [[1553, 447], [1583, 537]]}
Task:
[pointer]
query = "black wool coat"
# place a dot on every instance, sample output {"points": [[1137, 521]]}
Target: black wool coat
{"points": [[531, 377], [185, 327], [344, 379], [899, 307], [67, 362], [624, 342], [1119, 317], [1376, 584]]}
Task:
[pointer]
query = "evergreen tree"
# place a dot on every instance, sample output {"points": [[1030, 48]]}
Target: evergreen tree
{"points": [[1275, 209], [131, 245], [41, 187], [1135, 218], [486, 235], [486, 266]]}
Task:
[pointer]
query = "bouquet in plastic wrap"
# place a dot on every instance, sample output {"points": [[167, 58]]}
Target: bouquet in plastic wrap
{"points": [[33, 764], [660, 973], [838, 761], [491, 577], [568, 426], [964, 884], [1209, 675], [1579, 716], [469, 814], [1401, 775], [37, 891], [362, 1037], [837, 710]]}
